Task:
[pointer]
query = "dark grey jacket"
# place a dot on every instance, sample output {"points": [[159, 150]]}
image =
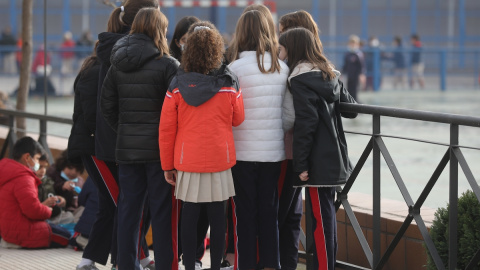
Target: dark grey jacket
{"points": [[132, 97], [319, 144]]}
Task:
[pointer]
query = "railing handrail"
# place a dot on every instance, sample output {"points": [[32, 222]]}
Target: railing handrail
{"points": [[446, 118], [37, 116]]}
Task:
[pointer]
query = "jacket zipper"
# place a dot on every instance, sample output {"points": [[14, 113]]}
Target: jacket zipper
{"points": [[228, 154], [181, 156]]}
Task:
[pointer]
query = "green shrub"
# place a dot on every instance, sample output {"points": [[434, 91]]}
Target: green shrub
{"points": [[468, 231]]}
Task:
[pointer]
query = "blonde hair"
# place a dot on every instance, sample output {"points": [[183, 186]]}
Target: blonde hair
{"points": [[152, 22], [253, 34]]}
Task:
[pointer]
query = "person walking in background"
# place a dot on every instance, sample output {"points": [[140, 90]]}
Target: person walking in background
{"points": [[40, 69], [259, 140], [370, 50], [67, 54], [204, 93], [180, 36], [118, 26], [84, 47], [354, 66], [416, 62], [8, 41], [320, 157], [132, 98], [22, 215], [398, 63]]}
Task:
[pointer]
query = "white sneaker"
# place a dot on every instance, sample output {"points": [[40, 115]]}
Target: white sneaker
{"points": [[198, 266], [181, 267], [5, 244]]}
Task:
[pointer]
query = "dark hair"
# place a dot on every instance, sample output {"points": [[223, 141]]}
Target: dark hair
{"points": [[253, 34], [44, 157], [180, 30], [63, 162], [302, 46], [119, 19], [398, 40], [90, 61], [416, 37], [26, 145], [152, 22], [204, 50], [299, 18]]}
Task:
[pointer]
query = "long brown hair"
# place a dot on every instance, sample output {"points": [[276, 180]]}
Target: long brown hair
{"points": [[90, 60], [266, 12], [152, 22], [299, 18], [119, 19], [302, 46], [204, 50], [253, 34]]}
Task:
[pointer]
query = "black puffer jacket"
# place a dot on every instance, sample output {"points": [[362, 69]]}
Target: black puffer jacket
{"points": [[105, 137], [82, 135], [132, 97], [319, 144]]}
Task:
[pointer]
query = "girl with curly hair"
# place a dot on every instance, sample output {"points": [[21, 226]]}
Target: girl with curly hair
{"points": [[196, 142], [259, 140]]}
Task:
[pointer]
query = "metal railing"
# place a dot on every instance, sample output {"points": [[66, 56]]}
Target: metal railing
{"points": [[376, 145], [42, 133]]}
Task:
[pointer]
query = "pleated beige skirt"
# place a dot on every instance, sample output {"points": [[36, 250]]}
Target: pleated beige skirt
{"points": [[204, 187]]}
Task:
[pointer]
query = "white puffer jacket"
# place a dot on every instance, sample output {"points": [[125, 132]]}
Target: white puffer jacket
{"points": [[260, 137]]}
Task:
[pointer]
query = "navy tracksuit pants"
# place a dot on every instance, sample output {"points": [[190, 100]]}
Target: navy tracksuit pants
{"points": [[289, 217], [324, 226], [256, 210], [136, 181]]}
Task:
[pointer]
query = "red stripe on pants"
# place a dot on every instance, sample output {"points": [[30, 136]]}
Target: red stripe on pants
{"points": [[107, 178], [318, 234], [235, 237], [175, 214]]}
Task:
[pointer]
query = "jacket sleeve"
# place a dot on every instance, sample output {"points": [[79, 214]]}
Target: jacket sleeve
{"points": [[171, 71], [346, 98], [238, 109], [87, 87], [288, 111], [167, 131], [27, 196], [109, 99], [306, 121]]}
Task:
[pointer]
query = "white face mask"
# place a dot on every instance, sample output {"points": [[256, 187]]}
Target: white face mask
{"points": [[35, 167], [182, 47]]}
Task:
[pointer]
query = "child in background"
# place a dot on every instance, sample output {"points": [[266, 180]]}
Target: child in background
{"points": [[320, 157], [46, 194], [204, 93]]}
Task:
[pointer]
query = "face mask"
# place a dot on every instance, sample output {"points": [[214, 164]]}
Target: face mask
{"points": [[182, 47], [64, 176], [35, 167]]}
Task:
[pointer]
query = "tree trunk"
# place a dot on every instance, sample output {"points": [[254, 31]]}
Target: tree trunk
{"points": [[26, 65]]}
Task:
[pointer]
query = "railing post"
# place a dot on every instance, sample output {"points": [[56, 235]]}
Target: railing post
{"points": [[376, 192], [11, 137], [443, 70], [476, 73], [42, 139], [453, 202]]}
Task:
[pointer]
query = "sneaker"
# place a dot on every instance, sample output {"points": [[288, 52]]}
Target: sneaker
{"points": [[150, 266], [198, 266], [181, 266], [88, 267], [5, 244], [226, 265], [81, 241]]}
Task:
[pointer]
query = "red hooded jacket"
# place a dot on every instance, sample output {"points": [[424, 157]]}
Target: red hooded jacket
{"points": [[22, 215]]}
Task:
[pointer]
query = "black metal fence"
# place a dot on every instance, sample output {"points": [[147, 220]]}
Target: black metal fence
{"points": [[453, 156]]}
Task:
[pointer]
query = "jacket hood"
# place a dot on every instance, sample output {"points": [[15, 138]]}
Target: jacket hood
{"points": [[312, 78], [197, 88], [106, 40], [132, 52], [12, 170]]}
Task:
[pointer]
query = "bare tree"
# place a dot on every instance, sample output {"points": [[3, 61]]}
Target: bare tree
{"points": [[26, 65]]}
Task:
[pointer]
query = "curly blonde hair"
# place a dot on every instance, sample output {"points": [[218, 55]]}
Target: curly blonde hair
{"points": [[204, 49]]}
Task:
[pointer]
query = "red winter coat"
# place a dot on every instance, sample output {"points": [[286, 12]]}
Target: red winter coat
{"points": [[198, 113], [22, 215]]}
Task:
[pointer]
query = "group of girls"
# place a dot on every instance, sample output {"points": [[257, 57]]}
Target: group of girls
{"points": [[254, 123]]}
